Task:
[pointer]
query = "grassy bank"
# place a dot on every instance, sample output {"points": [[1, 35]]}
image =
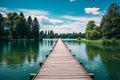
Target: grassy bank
{"points": [[91, 41], [103, 43]]}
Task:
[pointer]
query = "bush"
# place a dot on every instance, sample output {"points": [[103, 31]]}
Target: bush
{"points": [[105, 42], [111, 42], [79, 38]]}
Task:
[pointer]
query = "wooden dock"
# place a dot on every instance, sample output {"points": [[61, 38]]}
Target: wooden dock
{"points": [[61, 65]]}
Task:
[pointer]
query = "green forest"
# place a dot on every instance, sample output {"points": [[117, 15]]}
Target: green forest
{"points": [[16, 26], [109, 27]]}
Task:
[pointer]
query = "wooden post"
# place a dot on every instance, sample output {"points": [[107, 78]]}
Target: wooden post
{"points": [[73, 55], [70, 50], [40, 64], [91, 75], [47, 55], [50, 50], [32, 75], [81, 63]]}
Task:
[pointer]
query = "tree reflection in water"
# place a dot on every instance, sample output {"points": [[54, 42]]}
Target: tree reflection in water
{"points": [[17, 52], [110, 57]]}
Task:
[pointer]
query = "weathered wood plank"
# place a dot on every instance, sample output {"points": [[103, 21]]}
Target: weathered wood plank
{"points": [[61, 65]]}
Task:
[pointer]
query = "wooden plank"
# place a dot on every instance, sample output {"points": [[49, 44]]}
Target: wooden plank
{"points": [[64, 79], [61, 65]]}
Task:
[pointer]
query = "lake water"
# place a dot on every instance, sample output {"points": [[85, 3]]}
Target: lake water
{"points": [[18, 59]]}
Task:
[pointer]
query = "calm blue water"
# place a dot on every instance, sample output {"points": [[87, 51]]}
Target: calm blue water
{"points": [[20, 58]]}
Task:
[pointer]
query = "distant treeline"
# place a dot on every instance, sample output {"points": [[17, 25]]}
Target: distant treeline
{"points": [[51, 34], [109, 27], [16, 26]]}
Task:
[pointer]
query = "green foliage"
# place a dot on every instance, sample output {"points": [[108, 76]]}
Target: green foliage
{"points": [[91, 25], [79, 38], [29, 28], [114, 41], [22, 32], [21, 26], [4, 32], [35, 29], [16, 26], [108, 42], [1, 26], [110, 26], [92, 31], [51, 34], [92, 34]]}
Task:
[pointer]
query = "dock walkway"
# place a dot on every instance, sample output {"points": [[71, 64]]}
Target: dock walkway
{"points": [[61, 65]]}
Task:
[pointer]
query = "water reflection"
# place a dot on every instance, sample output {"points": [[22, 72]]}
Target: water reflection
{"points": [[20, 58], [92, 51], [104, 62], [16, 52], [109, 57], [44, 48]]}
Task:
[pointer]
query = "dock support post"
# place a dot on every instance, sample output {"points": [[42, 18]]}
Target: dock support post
{"points": [[32, 75], [40, 64], [70, 50], [50, 50], [91, 75], [47, 55], [73, 55], [81, 63]]}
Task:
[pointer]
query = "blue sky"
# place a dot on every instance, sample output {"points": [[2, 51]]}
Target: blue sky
{"points": [[61, 16]]}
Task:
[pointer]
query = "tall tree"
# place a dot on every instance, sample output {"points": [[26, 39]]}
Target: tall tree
{"points": [[41, 35], [1, 26], [92, 31], [110, 24], [17, 25], [22, 15], [22, 27], [6, 29], [91, 25], [35, 29], [11, 19], [29, 28]]}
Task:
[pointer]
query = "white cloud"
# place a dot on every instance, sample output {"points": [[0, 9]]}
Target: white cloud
{"points": [[83, 20], [4, 11], [42, 16], [26, 12], [3, 14], [44, 20], [66, 28], [75, 24], [72, 0], [93, 10]]}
